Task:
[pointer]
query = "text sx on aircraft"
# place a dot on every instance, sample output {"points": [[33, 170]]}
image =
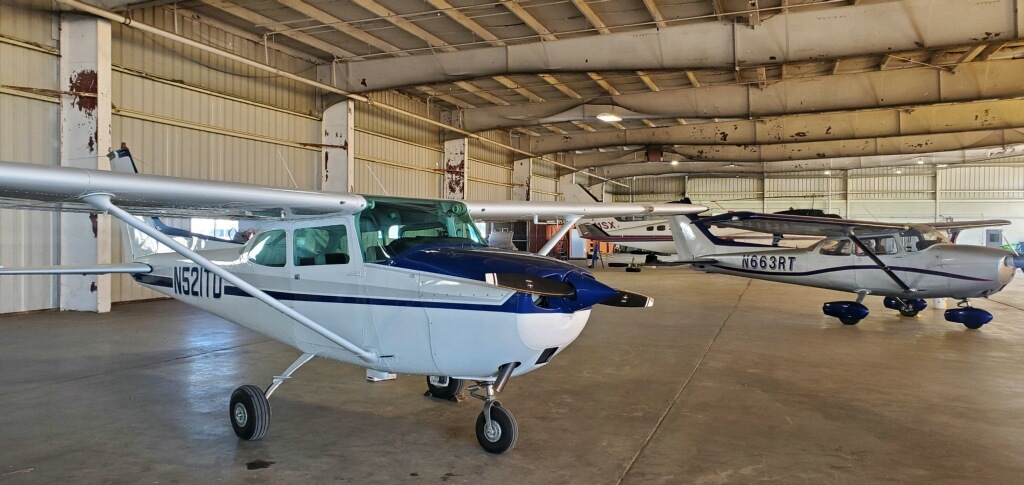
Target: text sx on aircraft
{"points": [[905, 263], [391, 284]]}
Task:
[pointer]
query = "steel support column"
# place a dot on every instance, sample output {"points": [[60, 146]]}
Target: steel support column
{"points": [[85, 116], [456, 155], [337, 172]]}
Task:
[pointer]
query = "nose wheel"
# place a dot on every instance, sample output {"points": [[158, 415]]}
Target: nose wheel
{"points": [[249, 409], [496, 428]]}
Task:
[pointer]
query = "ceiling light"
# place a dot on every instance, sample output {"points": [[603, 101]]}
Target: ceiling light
{"points": [[609, 117], [675, 162], [920, 162], [941, 165], [731, 165], [899, 171], [827, 172]]}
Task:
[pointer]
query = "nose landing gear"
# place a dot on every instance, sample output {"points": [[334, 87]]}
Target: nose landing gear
{"points": [[496, 428]]}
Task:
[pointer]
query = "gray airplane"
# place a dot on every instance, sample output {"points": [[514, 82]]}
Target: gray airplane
{"points": [[905, 263]]}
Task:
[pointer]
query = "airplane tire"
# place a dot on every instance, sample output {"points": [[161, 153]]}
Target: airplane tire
{"points": [[449, 391], [908, 313], [250, 412], [849, 321], [503, 434]]}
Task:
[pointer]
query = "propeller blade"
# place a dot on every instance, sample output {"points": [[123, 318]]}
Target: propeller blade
{"points": [[530, 284], [630, 300]]}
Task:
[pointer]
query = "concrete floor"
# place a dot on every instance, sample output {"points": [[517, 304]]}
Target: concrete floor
{"points": [[725, 380]]}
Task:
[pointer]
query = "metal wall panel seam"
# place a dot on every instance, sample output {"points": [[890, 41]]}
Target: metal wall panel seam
{"points": [[209, 129], [400, 140], [54, 51], [390, 163]]}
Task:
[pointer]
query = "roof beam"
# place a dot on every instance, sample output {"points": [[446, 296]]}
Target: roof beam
{"points": [[852, 125], [591, 16], [655, 11], [271, 24], [465, 21], [341, 26], [908, 88], [508, 83], [868, 29], [528, 18], [400, 22], [468, 86]]}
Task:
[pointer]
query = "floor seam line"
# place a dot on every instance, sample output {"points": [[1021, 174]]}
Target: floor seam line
{"points": [[143, 366], [675, 399]]}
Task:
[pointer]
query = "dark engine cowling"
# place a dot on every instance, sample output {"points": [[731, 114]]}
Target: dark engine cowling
{"points": [[972, 318], [848, 312]]}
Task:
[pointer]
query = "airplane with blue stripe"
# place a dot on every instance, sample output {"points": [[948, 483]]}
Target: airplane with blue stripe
{"points": [[904, 263], [396, 285]]}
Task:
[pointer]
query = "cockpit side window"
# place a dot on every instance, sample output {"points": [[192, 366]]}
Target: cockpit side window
{"points": [[836, 247], [392, 225], [325, 245], [269, 249]]}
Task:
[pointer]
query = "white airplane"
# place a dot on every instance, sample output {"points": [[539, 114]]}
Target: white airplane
{"points": [[391, 284], [656, 237], [905, 263]]}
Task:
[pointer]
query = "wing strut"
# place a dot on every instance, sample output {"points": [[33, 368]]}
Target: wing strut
{"points": [[881, 265], [548, 246], [102, 202]]}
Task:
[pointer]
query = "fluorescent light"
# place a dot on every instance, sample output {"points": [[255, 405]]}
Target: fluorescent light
{"points": [[941, 165], [609, 117], [827, 172]]}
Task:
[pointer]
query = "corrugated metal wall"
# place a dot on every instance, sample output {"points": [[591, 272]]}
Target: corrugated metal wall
{"points": [[396, 155], [29, 133], [190, 114], [489, 168]]}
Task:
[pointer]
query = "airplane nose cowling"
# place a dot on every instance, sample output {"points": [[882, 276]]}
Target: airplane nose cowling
{"points": [[476, 262]]}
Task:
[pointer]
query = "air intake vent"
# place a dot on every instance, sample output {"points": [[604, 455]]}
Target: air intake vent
{"points": [[546, 355]]}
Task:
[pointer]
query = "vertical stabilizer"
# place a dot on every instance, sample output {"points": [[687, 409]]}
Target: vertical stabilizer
{"points": [[694, 241], [135, 243]]}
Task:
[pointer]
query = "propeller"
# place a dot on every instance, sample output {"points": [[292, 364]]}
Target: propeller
{"points": [[629, 299], [530, 284]]}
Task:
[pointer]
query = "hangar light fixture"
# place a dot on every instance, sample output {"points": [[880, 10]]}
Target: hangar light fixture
{"points": [[609, 117], [827, 172]]}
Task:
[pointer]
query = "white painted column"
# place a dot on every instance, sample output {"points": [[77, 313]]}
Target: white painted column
{"points": [[337, 172], [456, 154], [85, 117], [522, 172]]}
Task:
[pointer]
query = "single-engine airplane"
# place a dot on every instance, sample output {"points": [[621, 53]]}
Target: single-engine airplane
{"points": [[655, 237], [905, 263], [396, 285]]}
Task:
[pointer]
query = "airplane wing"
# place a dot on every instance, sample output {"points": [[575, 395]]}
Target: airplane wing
{"points": [[39, 187], [515, 210], [806, 225], [968, 224]]}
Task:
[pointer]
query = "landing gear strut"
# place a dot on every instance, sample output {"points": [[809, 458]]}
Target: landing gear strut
{"points": [[496, 428], [250, 406]]}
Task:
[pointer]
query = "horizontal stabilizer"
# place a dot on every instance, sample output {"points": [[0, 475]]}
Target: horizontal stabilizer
{"points": [[530, 284], [695, 261], [129, 268], [629, 299]]}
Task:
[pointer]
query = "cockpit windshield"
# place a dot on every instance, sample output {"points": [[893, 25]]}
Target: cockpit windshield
{"points": [[390, 226]]}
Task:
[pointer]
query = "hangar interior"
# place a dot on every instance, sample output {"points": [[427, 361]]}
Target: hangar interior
{"points": [[882, 110]]}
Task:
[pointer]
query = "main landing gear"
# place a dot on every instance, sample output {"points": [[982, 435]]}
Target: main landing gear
{"points": [[970, 317], [496, 428], [250, 406], [848, 312], [908, 307]]}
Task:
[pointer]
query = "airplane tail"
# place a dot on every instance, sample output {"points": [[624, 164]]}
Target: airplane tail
{"points": [[136, 243], [694, 242]]}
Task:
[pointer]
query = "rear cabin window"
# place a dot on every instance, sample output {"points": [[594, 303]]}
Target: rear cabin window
{"points": [[269, 249], [879, 245], [316, 246]]}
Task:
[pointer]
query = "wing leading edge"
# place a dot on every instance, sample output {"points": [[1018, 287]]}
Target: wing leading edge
{"points": [[826, 226], [38, 187]]}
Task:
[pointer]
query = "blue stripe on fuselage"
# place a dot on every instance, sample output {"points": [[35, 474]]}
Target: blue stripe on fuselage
{"points": [[849, 268], [518, 303]]}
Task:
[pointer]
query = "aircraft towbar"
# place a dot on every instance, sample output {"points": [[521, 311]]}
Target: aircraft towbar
{"points": [[102, 202]]}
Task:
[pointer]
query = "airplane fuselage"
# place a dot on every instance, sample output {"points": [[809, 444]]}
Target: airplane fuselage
{"points": [[402, 314], [941, 270]]}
